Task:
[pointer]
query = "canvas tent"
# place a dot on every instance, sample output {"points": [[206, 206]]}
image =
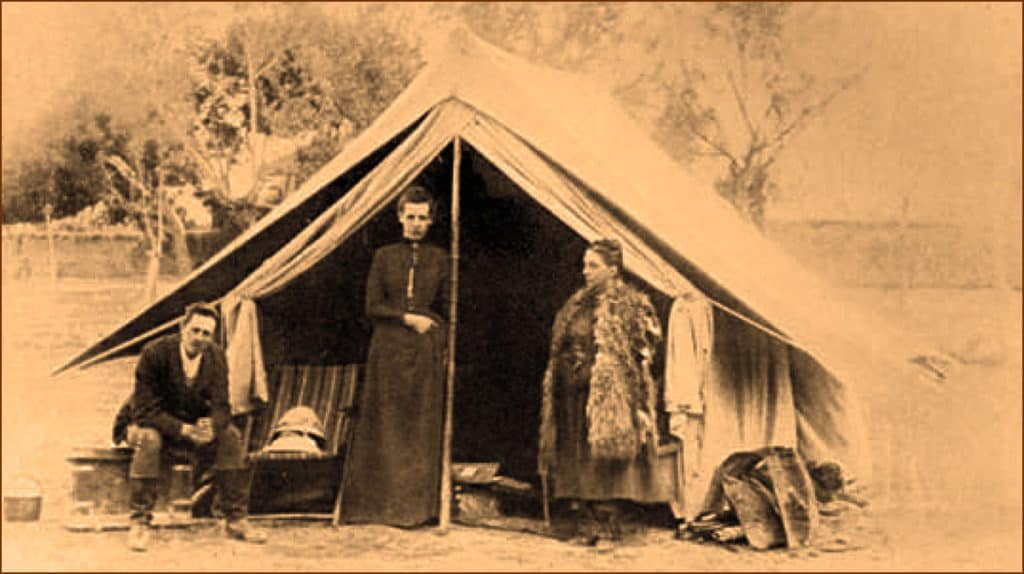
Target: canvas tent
{"points": [[550, 163]]}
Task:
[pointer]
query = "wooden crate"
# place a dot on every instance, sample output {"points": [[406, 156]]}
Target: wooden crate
{"points": [[100, 493]]}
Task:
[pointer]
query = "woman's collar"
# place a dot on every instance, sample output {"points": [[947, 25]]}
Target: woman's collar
{"points": [[609, 284]]}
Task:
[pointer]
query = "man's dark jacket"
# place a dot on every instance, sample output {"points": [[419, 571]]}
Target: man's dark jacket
{"points": [[162, 400]]}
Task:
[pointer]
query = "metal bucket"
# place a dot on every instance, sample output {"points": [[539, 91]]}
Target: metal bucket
{"points": [[23, 499]]}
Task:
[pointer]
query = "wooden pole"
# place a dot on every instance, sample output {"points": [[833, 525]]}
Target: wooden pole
{"points": [[52, 291], [47, 212], [449, 402], [545, 504]]}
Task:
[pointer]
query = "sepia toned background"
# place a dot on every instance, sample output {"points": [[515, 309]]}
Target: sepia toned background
{"points": [[904, 192]]}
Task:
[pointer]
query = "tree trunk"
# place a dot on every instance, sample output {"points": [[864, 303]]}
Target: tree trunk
{"points": [[745, 187], [155, 251], [152, 273], [254, 135], [179, 244]]}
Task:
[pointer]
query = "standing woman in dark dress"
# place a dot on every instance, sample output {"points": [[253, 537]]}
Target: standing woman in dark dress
{"points": [[598, 432], [395, 471]]}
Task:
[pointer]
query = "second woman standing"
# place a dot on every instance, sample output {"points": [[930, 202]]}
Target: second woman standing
{"points": [[598, 435], [395, 469]]}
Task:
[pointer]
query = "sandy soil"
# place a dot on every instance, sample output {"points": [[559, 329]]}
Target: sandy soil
{"points": [[947, 486]]}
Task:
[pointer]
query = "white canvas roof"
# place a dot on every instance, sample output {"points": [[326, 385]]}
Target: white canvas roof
{"points": [[579, 126]]}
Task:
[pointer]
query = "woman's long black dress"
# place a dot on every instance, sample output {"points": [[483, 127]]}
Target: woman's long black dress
{"points": [[394, 474]]}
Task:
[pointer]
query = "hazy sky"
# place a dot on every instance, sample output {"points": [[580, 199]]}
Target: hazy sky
{"points": [[937, 115], [936, 118]]}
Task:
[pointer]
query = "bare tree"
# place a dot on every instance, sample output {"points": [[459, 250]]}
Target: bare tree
{"points": [[735, 97], [762, 100]]}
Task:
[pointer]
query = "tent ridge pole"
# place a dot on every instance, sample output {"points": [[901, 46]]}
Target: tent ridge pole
{"points": [[444, 518]]}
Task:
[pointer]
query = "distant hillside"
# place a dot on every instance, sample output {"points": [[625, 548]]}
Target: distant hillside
{"points": [[888, 255]]}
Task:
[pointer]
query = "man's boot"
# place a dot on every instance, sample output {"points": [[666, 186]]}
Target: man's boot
{"points": [[142, 498], [138, 536], [233, 501], [241, 529]]}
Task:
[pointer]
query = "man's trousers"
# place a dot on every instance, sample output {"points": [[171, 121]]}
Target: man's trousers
{"points": [[226, 452]]}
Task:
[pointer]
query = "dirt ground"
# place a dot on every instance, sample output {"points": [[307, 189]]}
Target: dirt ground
{"points": [[946, 492]]}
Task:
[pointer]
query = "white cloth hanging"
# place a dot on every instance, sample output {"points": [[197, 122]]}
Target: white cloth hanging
{"points": [[688, 350]]}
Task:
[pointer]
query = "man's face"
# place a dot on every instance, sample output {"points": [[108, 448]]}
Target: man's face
{"points": [[197, 334], [416, 220]]}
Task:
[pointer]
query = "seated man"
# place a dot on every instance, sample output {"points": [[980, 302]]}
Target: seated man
{"points": [[181, 398]]}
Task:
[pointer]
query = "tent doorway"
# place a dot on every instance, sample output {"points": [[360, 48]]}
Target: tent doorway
{"points": [[519, 263]]}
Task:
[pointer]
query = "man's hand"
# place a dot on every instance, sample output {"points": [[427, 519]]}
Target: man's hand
{"points": [[419, 323], [200, 433]]}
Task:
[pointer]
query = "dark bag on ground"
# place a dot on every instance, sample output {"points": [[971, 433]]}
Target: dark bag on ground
{"points": [[771, 494]]}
